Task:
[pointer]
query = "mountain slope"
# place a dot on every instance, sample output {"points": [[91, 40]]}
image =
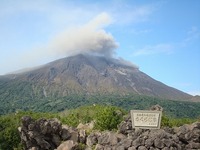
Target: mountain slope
{"points": [[90, 74], [65, 82]]}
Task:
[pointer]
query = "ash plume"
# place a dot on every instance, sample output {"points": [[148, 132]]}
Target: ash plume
{"points": [[90, 38]]}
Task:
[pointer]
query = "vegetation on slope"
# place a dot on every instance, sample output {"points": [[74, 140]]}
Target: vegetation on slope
{"points": [[107, 117], [179, 109]]}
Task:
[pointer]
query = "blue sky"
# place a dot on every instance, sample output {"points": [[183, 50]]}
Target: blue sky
{"points": [[161, 37]]}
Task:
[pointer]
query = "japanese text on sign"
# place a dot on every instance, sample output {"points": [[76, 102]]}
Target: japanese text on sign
{"points": [[146, 119]]}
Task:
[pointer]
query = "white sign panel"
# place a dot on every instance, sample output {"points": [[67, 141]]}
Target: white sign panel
{"points": [[146, 119]]}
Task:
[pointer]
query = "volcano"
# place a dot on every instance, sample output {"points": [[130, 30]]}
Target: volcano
{"points": [[82, 74]]}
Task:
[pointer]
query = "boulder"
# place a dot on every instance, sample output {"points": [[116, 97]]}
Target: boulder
{"points": [[82, 136], [87, 126], [65, 134], [92, 139], [68, 145], [108, 138], [43, 134]]}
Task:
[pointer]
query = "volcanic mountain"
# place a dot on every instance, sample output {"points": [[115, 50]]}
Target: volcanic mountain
{"points": [[60, 83], [86, 74]]}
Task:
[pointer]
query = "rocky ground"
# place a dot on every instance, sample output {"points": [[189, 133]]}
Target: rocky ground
{"points": [[50, 134]]}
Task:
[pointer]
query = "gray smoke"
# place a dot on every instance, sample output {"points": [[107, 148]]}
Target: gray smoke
{"points": [[89, 38]]}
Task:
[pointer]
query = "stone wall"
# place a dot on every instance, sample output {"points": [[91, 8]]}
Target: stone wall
{"points": [[50, 134]]}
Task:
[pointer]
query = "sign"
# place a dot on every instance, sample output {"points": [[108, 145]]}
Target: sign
{"points": [[146, 119]]}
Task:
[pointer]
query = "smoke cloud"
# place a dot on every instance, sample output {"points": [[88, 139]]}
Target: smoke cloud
{"points": [[89, 38]]}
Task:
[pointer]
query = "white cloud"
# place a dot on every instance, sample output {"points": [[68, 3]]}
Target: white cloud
{"points": [[155, 49], [58, 13], [65, 11], [192, 34]]}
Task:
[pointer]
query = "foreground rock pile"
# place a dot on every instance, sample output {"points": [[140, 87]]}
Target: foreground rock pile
{"points": [[46, 134], [186, 137]]}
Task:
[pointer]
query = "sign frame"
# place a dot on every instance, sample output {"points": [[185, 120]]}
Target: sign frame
{"points": [[146, 119]]}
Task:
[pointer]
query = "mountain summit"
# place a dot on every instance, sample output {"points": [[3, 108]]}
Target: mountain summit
{"points": [[89, 74]]}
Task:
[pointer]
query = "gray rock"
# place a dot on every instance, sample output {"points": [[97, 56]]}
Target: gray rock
{"points": [[138, 132], [82, 136], [108, 138], [158, 143], [31, 126], [159, 134], [74, 136], [99, 147], [169, 130], [175, 138], [42, 133], [121, 137], [42, 143], [87, 126], [152, 148], [196, 125], [92, 139], [193, 145], [149, 142], [56, 139], [107, 147], [22, 134], [126, 143], [48, 134], [178, 146], [167, 142], [183, 129], [55, 125], [156, 108], [195, 136], [26, 120], [68, 145], [125, 126], [132, 148], [138, 142], [173, 148], [120, 147], [165, 148], [65, 135], [142, 148]]}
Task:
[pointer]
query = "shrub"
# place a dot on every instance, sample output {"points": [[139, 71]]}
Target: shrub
{"points": [[175, 122], [108, 118], [71, 119]]}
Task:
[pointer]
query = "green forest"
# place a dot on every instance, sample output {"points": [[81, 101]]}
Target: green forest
{"points": [[179, 109], [108, 118], [75, 109]]}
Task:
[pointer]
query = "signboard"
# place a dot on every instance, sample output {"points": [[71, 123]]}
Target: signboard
{"points": [[146, 119]]}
